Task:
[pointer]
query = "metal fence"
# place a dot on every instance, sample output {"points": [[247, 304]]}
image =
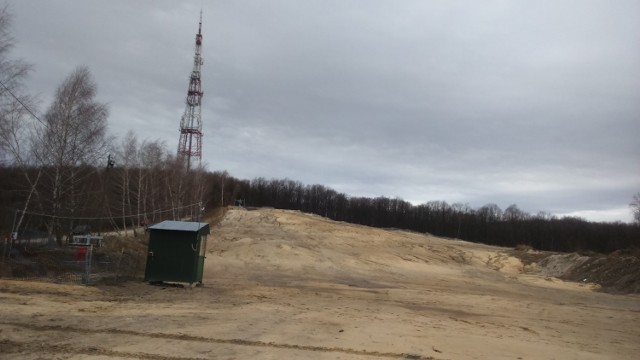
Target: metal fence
{"points": [[118, 260]]}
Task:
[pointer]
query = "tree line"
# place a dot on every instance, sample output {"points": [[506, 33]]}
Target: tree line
{"points": [[488, 224]]}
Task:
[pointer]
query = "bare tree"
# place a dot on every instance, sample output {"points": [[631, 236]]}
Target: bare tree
{"points": [[14, 103], [15, 110], [490, 213], [152, 157], [12, 71], [128, 155], [73, 137], [14, 133], [513, 213]]}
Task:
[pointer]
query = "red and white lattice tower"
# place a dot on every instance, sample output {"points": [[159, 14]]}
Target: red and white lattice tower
{"points": [[190, 144]]}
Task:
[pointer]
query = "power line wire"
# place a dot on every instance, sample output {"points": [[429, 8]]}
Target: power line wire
{"points": [[23, 105], [107, 218]]}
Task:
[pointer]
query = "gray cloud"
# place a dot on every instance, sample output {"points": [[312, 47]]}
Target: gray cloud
{"points": [[506, 102]]}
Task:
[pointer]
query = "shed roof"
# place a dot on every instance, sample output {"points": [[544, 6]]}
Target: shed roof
{"points": [[190, 226]]}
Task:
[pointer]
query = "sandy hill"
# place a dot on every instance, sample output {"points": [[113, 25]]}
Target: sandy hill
{"points": [[429, 293], [287, 285], [280, 246]]}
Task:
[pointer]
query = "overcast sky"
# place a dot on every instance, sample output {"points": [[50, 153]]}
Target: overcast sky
{"points": [[535, 102]]}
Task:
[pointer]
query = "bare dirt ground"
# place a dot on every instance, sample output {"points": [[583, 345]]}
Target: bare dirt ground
{"points": [[286, 285]]}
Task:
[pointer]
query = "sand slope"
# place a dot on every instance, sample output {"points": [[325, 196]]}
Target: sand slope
{"points": [[282, 284]]}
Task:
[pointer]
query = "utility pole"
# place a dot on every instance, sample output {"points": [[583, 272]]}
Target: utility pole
{"points": [[12, 237]]}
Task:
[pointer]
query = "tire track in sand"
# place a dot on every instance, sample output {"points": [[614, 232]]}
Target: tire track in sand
{"points": [[12, 347], [183, 337]]}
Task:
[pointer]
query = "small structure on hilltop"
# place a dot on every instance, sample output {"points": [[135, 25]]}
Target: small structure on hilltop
{"points": [[176, 252]]}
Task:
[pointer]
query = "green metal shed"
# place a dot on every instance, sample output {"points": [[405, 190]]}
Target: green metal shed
{"points": [[176, 251]]}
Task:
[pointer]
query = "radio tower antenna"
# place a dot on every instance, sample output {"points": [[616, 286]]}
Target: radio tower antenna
{"points": [[190, 143]]}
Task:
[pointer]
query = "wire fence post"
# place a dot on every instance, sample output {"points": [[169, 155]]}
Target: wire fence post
{"points": [[14, 233], [12, 239], [117, 270], [4, 248], [87, 266]]}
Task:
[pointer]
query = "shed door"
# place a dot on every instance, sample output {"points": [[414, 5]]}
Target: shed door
{"points": [[172, 257]]}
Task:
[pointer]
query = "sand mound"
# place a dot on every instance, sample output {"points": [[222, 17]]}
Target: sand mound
{"points": [[277, 242], [559, 264], [618, 272]]}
